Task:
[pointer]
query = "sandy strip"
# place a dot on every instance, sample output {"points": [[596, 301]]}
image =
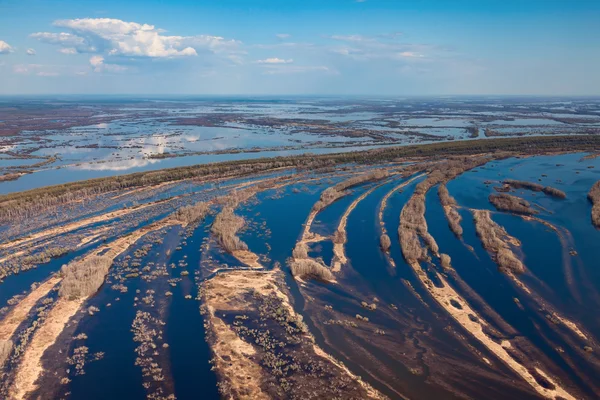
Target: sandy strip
{"points": [[141, 189], [82, 242], [11, 322], [60, 230], [247, 257], [30, 366], [233, 356], [446, 293]]}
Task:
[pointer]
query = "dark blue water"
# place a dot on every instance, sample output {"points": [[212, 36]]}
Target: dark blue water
{"points": [[189, 352]]}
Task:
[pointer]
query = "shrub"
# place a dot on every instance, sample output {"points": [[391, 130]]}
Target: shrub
{"points": [[550, 191], [594, 196], [311, 269], [225, 228], [452, 215], [536, 187], [192, 213], [507, 202], [412, 226], [339, 237], [82, 278], [300, 251], [385, 242], [445, 261], [5, 350], [491, 235]]}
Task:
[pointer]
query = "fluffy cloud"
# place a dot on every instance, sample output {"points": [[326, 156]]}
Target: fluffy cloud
{"points": [[283, 35], [115, 37], [66, 40], [275, 60], [5, 47], [30, 52], [98, 65]]}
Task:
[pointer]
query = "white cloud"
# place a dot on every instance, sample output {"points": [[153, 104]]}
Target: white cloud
{"points": [[35, 69], [30, 52], [98, 65], [115, 37], [409, 54], [275, 60], [68, 50], [293, 69], [46, 73], [96, 61], [283, 35], [5, 47], [47, 70], [66, 40], [21, 69], [352, 38], [360, 47]]}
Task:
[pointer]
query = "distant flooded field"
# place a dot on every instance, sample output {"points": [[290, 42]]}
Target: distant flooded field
{"points": [[55, 141]]}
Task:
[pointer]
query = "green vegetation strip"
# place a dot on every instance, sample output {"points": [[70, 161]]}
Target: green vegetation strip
{"points": [[523, 145]]}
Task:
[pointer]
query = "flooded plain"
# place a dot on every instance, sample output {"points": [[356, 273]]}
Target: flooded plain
{"points": [[186, 308], [55, 141]]}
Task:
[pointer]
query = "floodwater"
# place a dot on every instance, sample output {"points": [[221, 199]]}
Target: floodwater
{"points": [[424, 352], [132, 135]]}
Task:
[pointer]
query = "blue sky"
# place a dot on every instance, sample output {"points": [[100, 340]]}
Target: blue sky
{"points": [[401, 47]]}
